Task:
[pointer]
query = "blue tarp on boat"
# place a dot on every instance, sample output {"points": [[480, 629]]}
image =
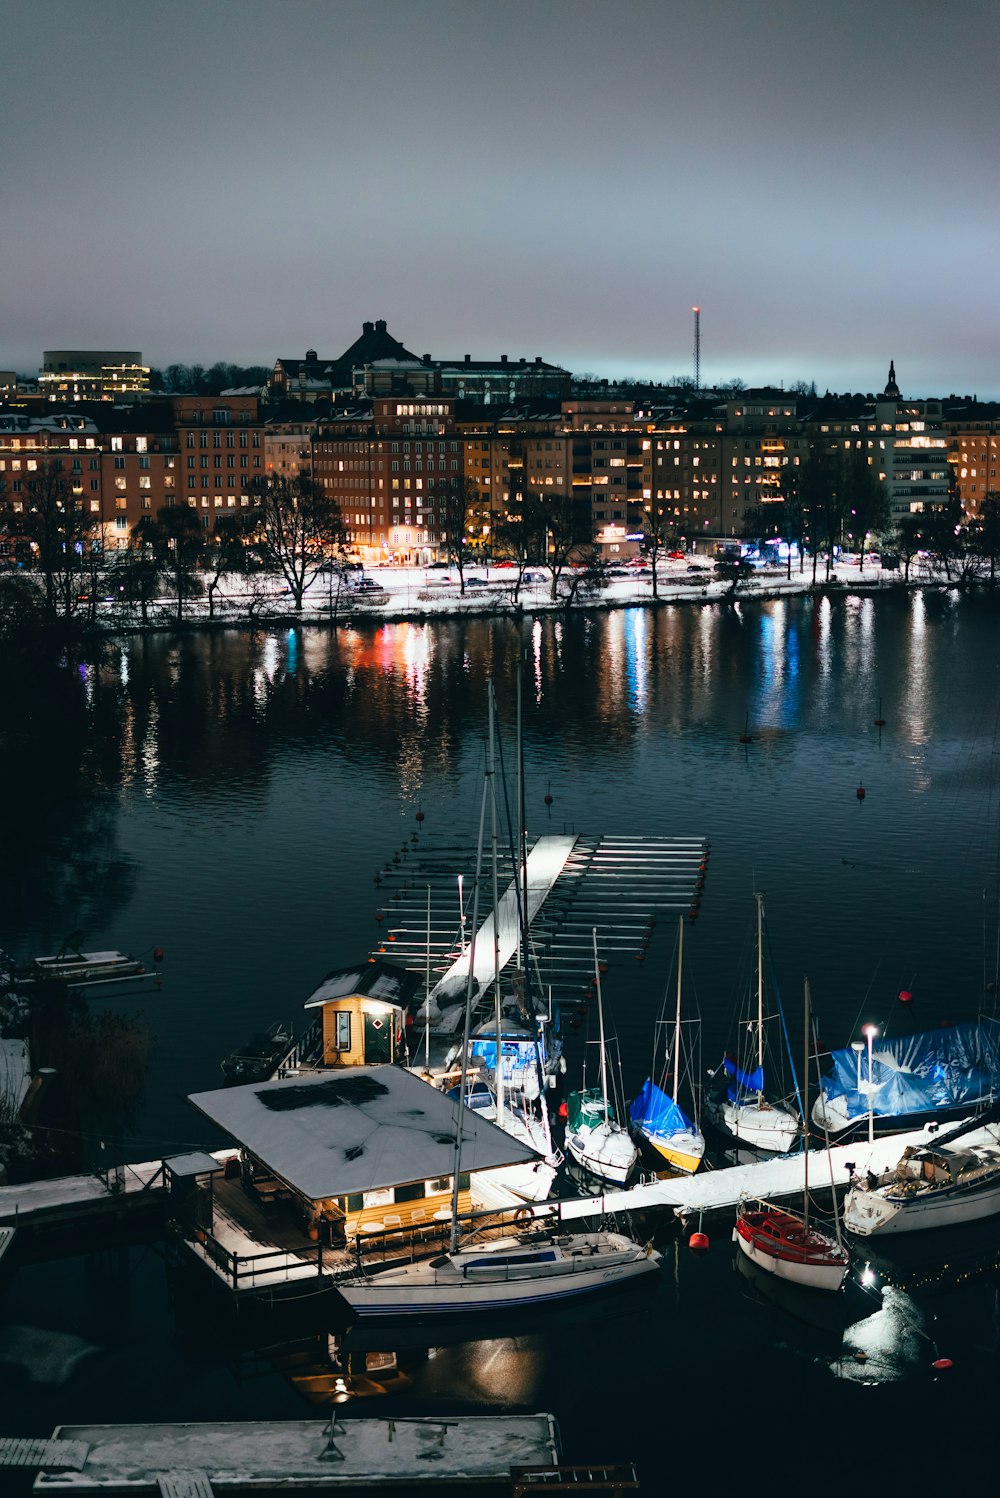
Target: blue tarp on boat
{"points": [[954, 1067], [744, 1081], [656, 1115]]}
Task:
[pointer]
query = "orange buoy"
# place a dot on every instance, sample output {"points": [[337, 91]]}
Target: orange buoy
{"points": [[563, 1109], [698, 1243]]}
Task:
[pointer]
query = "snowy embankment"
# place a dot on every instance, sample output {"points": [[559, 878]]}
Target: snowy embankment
{"points": [[393, 593]]}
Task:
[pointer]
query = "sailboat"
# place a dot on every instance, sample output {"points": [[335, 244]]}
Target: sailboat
{"points": [[507, 1273], [955, 1180], [743, 1110], [656, 1115], [594, 1137], [782, 1242]]}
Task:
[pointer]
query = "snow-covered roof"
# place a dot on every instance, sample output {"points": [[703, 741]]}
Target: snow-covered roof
{"points": [[386, 981], [357, 1128]]}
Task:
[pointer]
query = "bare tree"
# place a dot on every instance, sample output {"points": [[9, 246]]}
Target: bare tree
{"points": [[460, 500], [298, 528], [984, 533], [55, 520], [568, 532], [226, 550], [179, 541], [659, 529]]}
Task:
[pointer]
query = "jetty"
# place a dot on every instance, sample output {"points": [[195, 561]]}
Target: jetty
{"points": [[460, 1453], [781, 1176]]}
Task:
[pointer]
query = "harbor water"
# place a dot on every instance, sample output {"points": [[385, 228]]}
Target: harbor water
{"points": [[231, 798]]}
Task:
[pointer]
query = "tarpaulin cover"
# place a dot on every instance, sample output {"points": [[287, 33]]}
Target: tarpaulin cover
{"points": [[745, 1081], [955, 1067], [655, 1114]]}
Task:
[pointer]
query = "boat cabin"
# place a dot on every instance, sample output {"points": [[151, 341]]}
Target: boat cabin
{"points": [[364, 1150], [362, 1014]]}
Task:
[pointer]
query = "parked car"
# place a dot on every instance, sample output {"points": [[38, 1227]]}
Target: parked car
{"points": [[677, 556], [476, 582]]}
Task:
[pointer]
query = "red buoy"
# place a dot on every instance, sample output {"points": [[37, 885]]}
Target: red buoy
{"points": [[941, 1363], [698, 1243], [860, 793], [905, 996], [563, 1109], [419, 817], [548, 800], [157, 954]]}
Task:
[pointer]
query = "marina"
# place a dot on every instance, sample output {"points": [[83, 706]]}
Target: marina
{"points": [[225, 987]]}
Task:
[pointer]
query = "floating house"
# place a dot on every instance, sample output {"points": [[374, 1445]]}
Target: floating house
{"points": [[328, 1160]]}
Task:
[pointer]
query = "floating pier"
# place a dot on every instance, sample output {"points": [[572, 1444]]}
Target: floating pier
{"points": [[780, 1176], [463, 1453]]}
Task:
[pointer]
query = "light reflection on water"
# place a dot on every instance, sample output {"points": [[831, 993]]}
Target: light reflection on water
{"points": [[240, 793]]}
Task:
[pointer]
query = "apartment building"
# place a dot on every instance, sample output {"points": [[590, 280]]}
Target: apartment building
{"points": [[974, 447], [29, 443], [389, 467], [220, 442]]}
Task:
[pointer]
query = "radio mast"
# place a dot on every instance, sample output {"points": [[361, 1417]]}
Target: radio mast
{"points": [[697, 347]]}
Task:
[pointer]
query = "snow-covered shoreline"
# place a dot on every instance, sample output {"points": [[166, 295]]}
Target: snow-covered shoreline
{"points": [[406, 593]]}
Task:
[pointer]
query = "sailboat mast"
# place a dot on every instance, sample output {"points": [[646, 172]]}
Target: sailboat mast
{"points": [[427, 986], [677, 1020], [760, 991], [600, 1026], [491, 777], [453, 1244], [805, 1115]]}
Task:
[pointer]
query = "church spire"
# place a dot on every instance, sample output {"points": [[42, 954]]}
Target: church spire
{"points": [[892, 389]]}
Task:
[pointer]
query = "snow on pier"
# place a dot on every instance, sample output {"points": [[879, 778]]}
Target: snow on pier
{"points": [[420, 1453], [780, 1176], [546, 861]]}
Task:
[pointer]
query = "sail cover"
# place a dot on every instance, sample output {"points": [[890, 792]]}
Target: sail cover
{"points": [[655, 1114], [955, 1067], [742, 1081]]}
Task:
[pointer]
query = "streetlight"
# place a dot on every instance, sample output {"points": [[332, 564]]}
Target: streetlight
{"points": [[869, 1032]]}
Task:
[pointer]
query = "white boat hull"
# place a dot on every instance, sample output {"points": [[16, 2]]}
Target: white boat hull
{"points": [[470, 1284], [605, 1151], [815, 1276], [869, 1212], [763, 1128]]}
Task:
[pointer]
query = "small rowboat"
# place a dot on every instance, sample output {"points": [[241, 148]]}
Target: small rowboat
{"points": [[781, 1243]]}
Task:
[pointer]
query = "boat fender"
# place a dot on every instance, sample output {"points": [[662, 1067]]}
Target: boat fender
{"points": [[698, 1243], [905, 996], [941, 1363], [524, 1214]]}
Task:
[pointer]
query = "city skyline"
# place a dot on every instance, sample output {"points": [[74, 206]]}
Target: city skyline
{"points": [[563, 181]]}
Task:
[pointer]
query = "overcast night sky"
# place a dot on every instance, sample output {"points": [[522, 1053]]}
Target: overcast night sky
{"points": [[207, 179]]}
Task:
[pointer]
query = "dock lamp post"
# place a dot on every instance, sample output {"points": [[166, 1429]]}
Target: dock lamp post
{"points": [[858, 1046], [869, 1032]]}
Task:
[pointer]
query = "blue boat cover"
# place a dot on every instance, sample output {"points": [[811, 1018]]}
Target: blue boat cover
{"points": [[744, 1081], [955, 1067], [655, 1114]]}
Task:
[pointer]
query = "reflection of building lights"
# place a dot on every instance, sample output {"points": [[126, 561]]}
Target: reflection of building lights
{"points": [[867, 1276]]}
